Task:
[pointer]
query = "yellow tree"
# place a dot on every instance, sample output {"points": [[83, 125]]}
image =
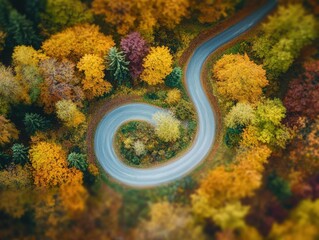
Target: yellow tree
{"points": [[239, 78], [8, 131], [50, 167], [173, 96], [73, 43], [168, 221], [157, 65], [93, 83], [167, 126], [69, 114]]}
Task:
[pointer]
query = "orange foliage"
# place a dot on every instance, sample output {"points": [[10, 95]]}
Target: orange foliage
{"points": [[8, 131], [239, 78], [49, 164], [73, 43], [93, 82]]}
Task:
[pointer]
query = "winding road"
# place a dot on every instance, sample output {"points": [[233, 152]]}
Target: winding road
{"points": [[105, 132]]}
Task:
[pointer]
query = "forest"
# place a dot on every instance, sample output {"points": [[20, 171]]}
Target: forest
{"points": [[66, 64]]}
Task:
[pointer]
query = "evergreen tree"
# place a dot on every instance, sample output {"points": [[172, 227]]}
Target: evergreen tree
{"points": [[19, 153], [174, 78], [35, 122], [20, 31], [118, 65], [4, 160], [77, 160]]}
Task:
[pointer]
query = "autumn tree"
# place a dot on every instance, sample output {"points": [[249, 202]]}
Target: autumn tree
{"points": [[267, 126], [75, 42], [77, 160], [118, 66], [241, 114], [60, 14], [8, 131], [302, 95], [19, 153], [302, 223], [174, 79], [157, 65], [60, 83], [212, 11], [50, 167], [93, 83], [167, 127], [168, 221], [239, 78], [10, 89], [68, 113], [25, 62], [184, 110], [283, 36], [135, 49], [173, 96], [35, 122], [144, 16]]}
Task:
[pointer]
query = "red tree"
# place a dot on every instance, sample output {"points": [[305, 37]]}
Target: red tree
{"points": [[135, 49]]}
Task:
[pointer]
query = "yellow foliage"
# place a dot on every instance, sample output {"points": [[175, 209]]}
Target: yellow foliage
{"points": [[14, 202], [49, 164], [16, 178], [8, 131], [239, 78], [69, 114], [157, 65], [73, 43], [93, 83], [73, 194], [173, 96], [250, 137], [167, 126], [93, 170]]}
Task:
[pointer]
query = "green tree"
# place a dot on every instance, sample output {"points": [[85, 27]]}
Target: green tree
{"points": [[184, 110], [278, 186], [233, 136], [118, 65], [20, 153], [283, 36], [21, 31], [174, 79], [35, 122], [78, 160], [60, 14]]}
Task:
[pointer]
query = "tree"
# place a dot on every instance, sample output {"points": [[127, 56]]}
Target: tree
{"points": [[75, 42], [173, 96], [279, 187], [20, 31], [174, 79], [139, 148], [135, 49], [117, 65], [60, 14], [283, 36], [267, 125], [10, 89], [239, 78], [25, 62], [35, 122], [20, 153], [302, 223], [49, 164], [167, 127], [212, 11], [69, 114], [168, 221], [184, 110], [242, 114], [93, 83], [157, 65], [231, 216], [77, 160], [8, 131], [233, 136], [303, 92]]}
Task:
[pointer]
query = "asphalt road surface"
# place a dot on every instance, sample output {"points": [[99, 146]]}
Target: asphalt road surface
{"points": [[179, 167]]}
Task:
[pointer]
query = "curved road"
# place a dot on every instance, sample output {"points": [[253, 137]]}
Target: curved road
{"points": [[103, 141]]}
